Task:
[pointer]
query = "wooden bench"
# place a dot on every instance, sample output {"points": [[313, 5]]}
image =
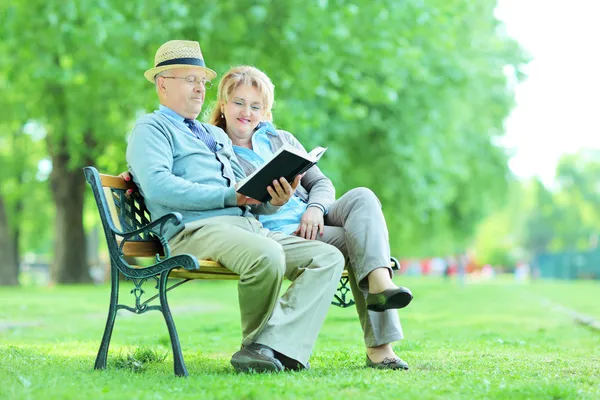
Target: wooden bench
{"points": [[130, 232]]}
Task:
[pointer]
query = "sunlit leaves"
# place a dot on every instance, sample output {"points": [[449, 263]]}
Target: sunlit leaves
{"points": [[407, 95]]}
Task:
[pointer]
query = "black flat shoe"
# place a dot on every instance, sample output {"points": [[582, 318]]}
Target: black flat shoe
{"points": [[399, 297], [388, 363], [257, 358]]}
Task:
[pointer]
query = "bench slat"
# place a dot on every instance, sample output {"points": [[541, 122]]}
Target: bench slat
{"points": [[116, 182], [203, 273], [142, 248], [211, 272]]}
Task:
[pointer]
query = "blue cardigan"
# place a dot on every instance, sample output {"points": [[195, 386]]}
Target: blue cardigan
{"points": [[178, 172]]}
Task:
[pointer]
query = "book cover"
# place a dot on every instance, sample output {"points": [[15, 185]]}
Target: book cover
{"points": [[287, 162]]}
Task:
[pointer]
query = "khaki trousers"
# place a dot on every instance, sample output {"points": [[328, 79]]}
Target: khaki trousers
{"points": [[356, 226], [289, 324]]}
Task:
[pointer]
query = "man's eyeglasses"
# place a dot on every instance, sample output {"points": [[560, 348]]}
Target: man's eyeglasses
{"points": [[192, 80]]}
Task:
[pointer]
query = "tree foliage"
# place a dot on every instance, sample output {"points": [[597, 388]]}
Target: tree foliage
{"points": [[409, 96], [83, 79], [565, 217]]}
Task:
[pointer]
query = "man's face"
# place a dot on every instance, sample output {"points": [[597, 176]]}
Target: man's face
{"points": [[181, 90]]}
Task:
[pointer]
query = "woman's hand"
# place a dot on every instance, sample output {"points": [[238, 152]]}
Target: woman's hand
{"points": [[282, 191], [311, 224]]}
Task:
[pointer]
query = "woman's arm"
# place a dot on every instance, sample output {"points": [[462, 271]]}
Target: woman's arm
{"points": [[320, 189]]}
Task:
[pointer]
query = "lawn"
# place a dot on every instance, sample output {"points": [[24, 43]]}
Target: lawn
{"points": [[494, 340]]}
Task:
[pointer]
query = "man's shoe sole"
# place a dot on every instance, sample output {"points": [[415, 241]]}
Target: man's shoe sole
{"points": [[254, 366]]}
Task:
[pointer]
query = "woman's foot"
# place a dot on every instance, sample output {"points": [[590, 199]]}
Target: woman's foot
{"points": [[384, 294], [383, 357], [398, 297], [379, 280]]}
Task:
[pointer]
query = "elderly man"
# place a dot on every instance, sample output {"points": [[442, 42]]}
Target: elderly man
{"points": [[186, 166]]}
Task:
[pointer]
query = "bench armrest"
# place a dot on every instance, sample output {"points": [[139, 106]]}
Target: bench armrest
{"points": [[174, 218], [185, 261]]}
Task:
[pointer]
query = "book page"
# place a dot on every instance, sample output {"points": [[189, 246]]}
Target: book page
{"points": [[286, 147], [316, 153], [312, 157]]}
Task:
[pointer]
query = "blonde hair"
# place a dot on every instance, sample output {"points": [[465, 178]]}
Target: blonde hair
{"points": [[234, 78]]}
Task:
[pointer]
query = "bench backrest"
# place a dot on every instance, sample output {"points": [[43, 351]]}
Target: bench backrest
{"points": [[122, 212]]}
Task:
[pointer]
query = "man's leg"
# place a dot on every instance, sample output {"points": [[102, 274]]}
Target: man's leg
{"points": [[260, 262], [315, 269]]}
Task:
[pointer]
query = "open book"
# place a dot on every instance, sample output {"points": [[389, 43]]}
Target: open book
{"points": [[287, 162]]}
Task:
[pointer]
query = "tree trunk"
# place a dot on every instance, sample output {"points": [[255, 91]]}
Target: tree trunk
{"points": [[70, 263], [9, 266]]}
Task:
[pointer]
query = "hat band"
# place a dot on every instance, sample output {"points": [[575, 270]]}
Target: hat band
{"points": [[189, 61]]}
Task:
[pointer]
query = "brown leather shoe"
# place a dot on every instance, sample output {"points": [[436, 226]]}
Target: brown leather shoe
{"points": [[388, 363], [257, 358], [289, 364], [399, 297]]}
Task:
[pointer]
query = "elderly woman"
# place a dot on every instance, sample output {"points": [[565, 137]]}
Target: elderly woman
{"points": [[354, 223]]}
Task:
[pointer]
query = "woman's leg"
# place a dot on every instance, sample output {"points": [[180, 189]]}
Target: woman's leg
{"points": [[366, 237], [379, 328]]}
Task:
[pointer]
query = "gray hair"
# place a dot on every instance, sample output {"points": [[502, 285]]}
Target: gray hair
{"points": [[161, 73]]}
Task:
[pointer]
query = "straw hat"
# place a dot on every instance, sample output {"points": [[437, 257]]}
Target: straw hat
{"points": [[178, 54]]}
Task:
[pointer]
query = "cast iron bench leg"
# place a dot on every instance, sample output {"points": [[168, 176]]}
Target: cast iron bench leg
{"points": [[110, 321], [178, 363]]}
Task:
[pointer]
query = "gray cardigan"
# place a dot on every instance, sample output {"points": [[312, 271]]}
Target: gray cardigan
{"points": [[314, 187]]}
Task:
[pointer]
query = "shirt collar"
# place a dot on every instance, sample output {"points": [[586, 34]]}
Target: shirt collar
{"points": [[172, 114], [266, 127], [166, 110]]}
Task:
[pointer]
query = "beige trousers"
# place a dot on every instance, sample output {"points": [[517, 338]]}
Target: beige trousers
{"points": [[356, 226], [291, 323]]}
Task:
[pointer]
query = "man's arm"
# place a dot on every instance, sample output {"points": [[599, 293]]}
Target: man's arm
{"points": [[150, 159]]}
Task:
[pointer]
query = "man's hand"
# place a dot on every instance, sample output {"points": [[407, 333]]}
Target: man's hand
{"points": [[282, 191], [311, 224], [127, 176]]}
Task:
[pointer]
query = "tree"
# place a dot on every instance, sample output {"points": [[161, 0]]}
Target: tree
{"points": [[19, 156], [578, 200], [85, 75], [9, 267], [409, 96], [415, 92], [537, 219], [499, 237]]}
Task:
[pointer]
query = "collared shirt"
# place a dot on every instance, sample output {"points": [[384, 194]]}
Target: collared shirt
{"points": [[179, 120], [288, 217]]}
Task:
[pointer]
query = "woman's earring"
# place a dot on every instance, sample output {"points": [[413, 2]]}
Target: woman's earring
{"points": [[222, 116]]}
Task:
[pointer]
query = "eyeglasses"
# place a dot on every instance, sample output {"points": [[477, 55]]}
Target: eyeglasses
{"points": [[192, 80]]}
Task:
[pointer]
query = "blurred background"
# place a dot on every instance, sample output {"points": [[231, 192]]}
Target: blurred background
{"points": [[475, 122]]}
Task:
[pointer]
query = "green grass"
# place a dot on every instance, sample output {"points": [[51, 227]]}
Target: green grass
{"points": [[485, 340]]}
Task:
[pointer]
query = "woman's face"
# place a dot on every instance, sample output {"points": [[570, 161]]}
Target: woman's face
{"points": [[243, 112]]}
